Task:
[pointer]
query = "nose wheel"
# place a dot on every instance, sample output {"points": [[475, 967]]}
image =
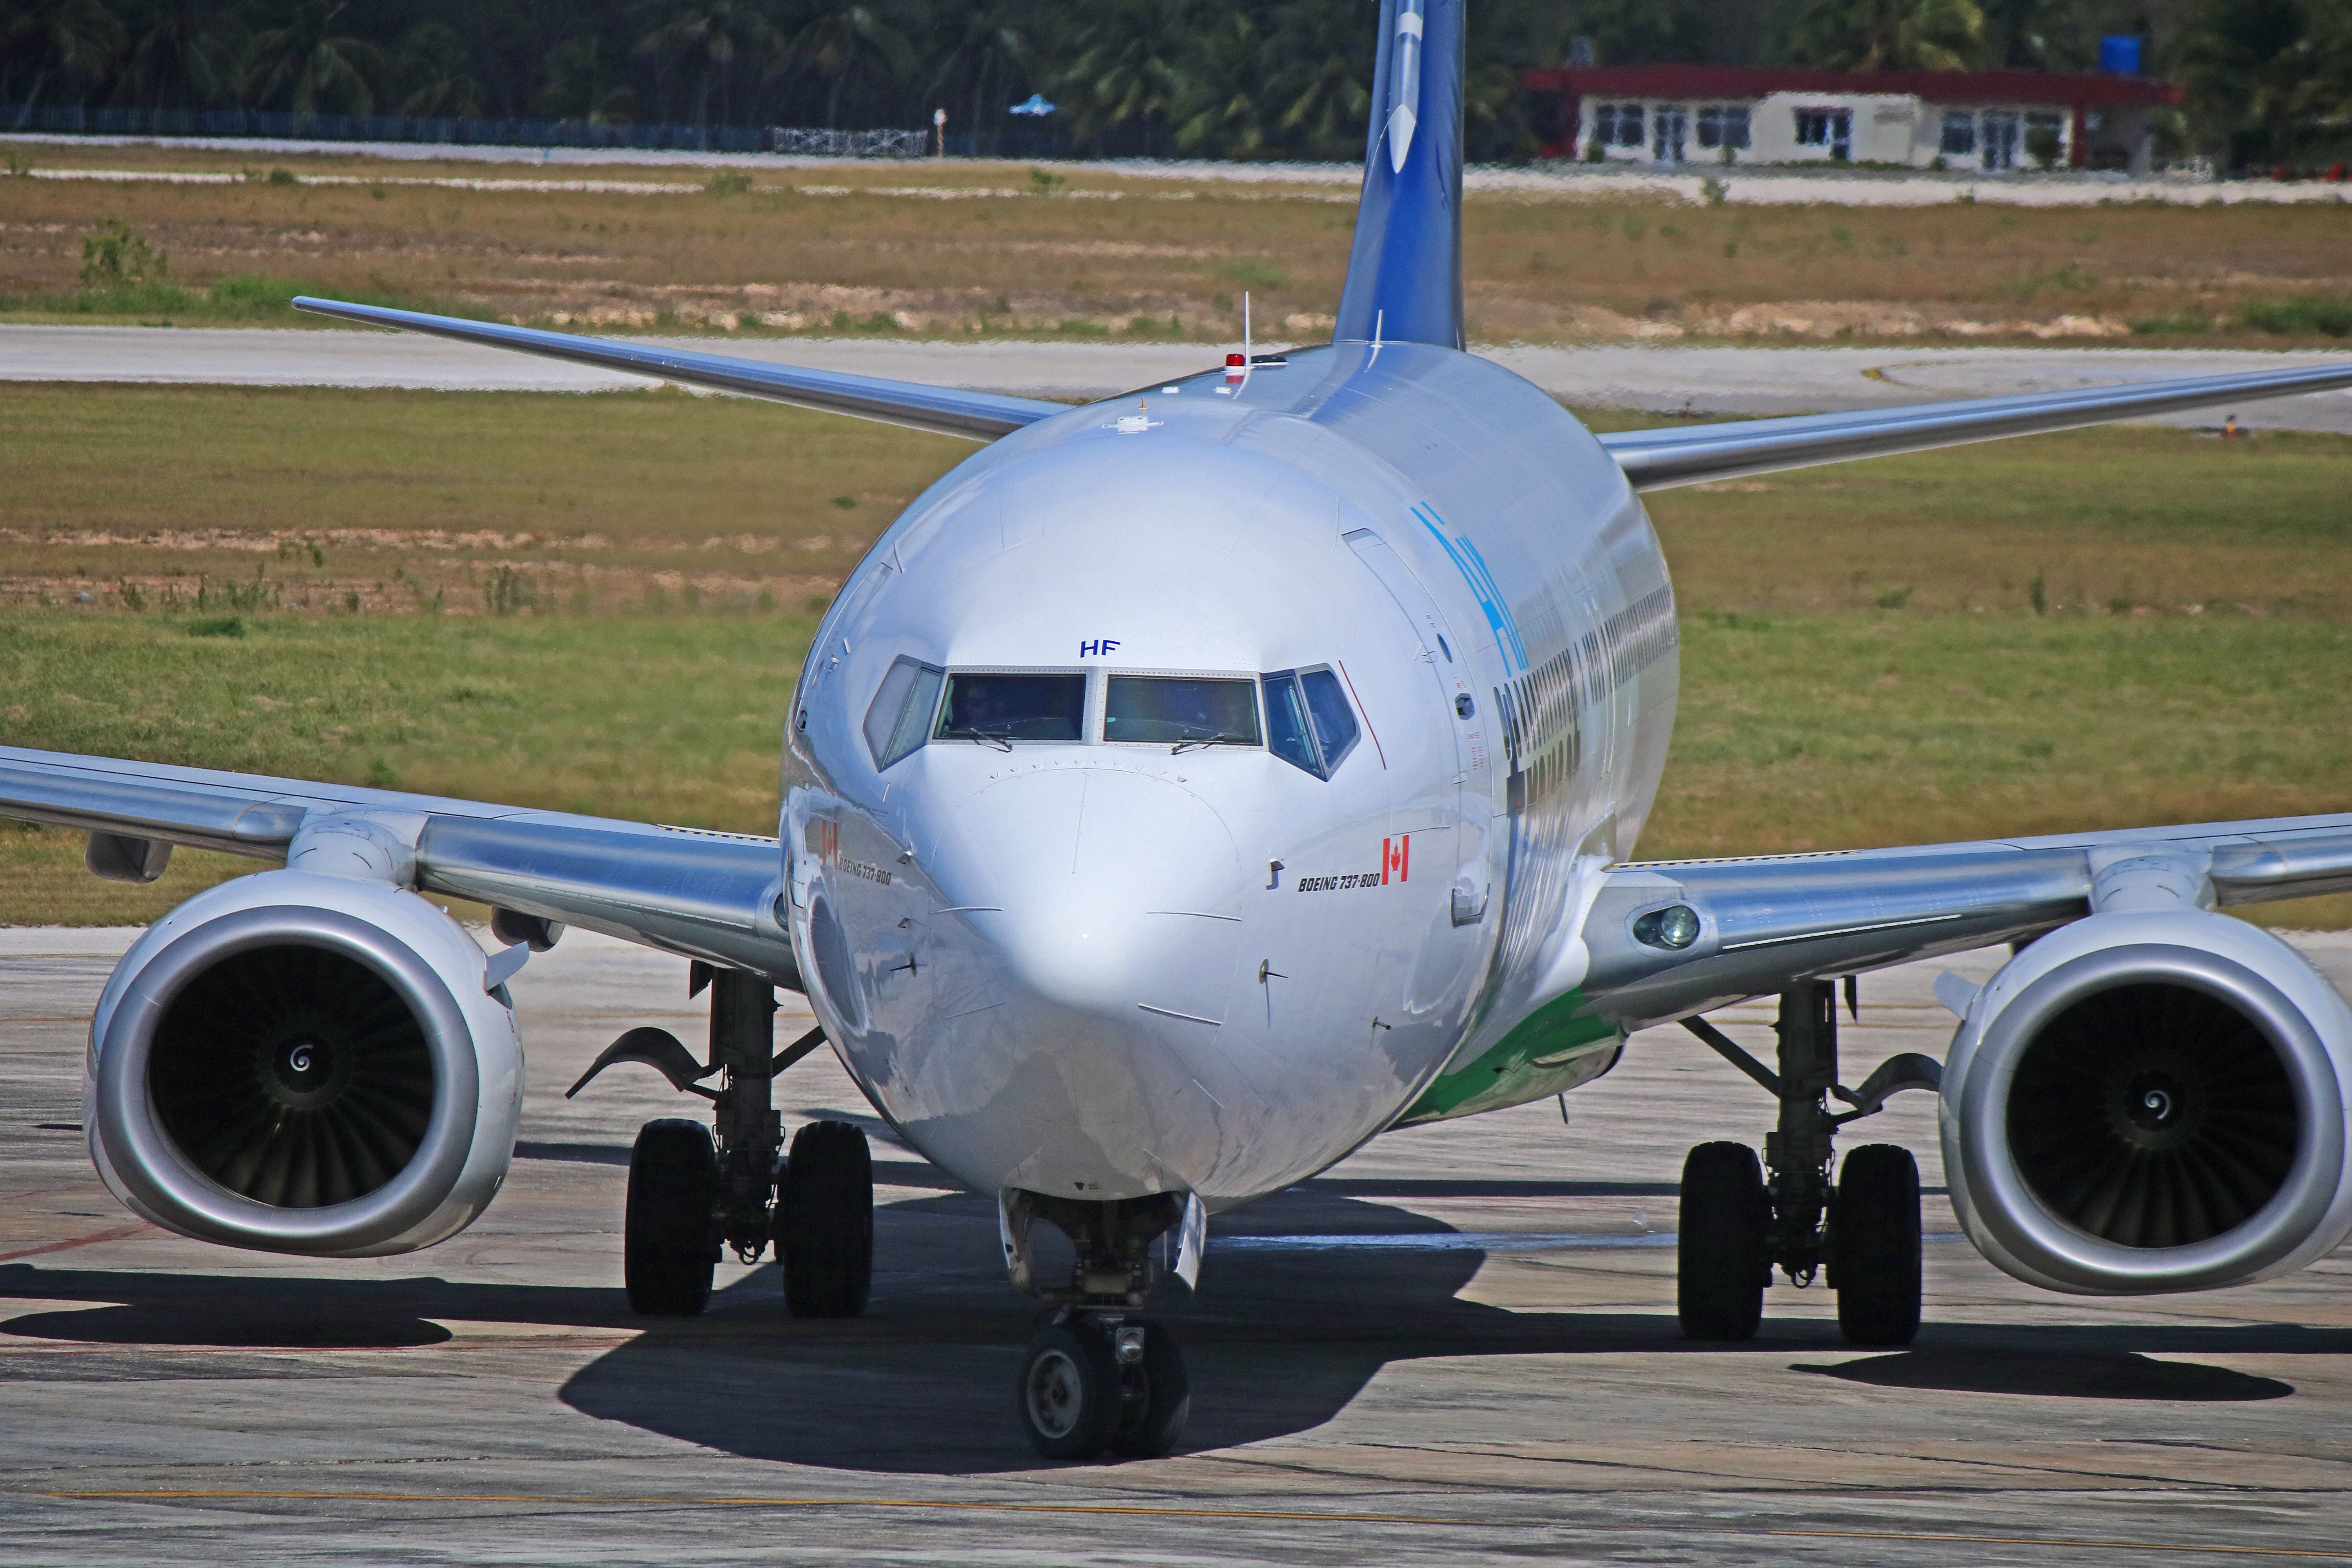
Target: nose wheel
{"points": [[1094, 1384]]}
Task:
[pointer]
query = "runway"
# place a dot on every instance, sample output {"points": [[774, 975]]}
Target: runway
{"points": [[1456, 1347], [1699, 381]]}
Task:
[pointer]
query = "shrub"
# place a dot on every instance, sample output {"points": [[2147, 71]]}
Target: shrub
{"points": [[2296, 318]]}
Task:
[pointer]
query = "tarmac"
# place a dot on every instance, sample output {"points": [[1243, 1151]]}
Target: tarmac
{"points": [[1458, 1347], [1673, 380]]}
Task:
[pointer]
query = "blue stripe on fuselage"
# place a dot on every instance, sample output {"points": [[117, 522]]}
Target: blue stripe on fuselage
{"points": [[1473, 567]]}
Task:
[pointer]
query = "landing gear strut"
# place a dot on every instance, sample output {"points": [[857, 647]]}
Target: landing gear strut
{"points": [[1740, 1222], [693, 1195], [1098, 1377]]}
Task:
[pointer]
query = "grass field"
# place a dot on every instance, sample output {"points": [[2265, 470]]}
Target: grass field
{"points": [[964, 249], [2106, 628]]}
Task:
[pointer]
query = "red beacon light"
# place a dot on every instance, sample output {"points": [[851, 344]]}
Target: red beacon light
{"points": [[1236, 370]]}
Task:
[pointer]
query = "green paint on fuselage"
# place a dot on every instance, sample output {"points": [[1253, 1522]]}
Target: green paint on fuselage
{"points": [[1552, 1050]]}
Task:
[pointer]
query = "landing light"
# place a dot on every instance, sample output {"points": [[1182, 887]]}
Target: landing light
{"points": [[1673, 928]]}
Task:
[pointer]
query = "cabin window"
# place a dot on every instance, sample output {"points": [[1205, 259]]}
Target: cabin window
{"points": [[1959, 133], [900, 717], [1308, 721], [986, 706], [1181, 710]]}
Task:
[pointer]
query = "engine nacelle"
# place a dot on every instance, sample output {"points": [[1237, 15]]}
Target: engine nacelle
{"points": [[2143, 1102], [307, 1064]]}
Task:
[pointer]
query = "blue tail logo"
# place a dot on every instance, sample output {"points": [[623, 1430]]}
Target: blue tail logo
{"points": [[1404, 276]]}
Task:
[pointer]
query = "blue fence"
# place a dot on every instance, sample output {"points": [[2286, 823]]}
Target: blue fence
{"points": [[257, 125]]}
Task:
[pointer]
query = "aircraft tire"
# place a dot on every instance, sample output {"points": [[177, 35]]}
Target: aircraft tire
{"points": [[1875, 1245], [1722, 1263], [1157, 1399], [668, 1237], [1069, 1397], [824, 1222]]}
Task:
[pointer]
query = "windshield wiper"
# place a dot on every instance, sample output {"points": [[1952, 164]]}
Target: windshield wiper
{"points": [[1001, 742], [1216, 740]]}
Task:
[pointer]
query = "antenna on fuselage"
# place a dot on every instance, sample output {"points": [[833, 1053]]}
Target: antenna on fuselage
{"points": [[1249, 358]]}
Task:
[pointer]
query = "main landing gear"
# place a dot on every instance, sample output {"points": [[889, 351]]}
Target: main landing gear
{"points": [[693, 1194], [1741, 1220], [1098, 1377]]}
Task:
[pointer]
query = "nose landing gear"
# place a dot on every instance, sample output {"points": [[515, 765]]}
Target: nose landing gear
{"points": [[1095, 1383], [1864, 1236], [1098, 1378]]}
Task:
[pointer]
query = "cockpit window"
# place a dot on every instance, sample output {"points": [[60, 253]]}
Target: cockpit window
{"points": [[1007, 708], [1181, 710], [900, 716], [1335, 721], [1308, 721]]}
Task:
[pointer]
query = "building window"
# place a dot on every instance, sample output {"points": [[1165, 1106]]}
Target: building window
{"points": [[1959, 133], [1618, 125], [1999, 139], [1723, 125], [1830, 128], [2045, 138], [1671, 124]]}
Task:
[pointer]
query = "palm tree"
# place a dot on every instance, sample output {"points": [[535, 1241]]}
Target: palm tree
{"points": [[1222, 106], [983, 49], [2259, 74], [1321, 83], [2036, 34], [1887, 35], [431, 71], [75, 40], [712, 35], [844, 42], [310, 63], [1130, 62], [182, 53], [580, 85]]}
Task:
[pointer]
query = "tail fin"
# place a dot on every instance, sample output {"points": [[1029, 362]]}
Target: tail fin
{"points": [[1405, 277]]}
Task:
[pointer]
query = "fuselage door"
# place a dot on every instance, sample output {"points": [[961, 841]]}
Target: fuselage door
{"points": [[1449, 669]]}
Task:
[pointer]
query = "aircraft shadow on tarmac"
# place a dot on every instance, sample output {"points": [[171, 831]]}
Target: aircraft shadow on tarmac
{"points": [[1282, 1337]]}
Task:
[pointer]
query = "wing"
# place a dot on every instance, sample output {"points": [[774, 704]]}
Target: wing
{"points": [[944, 411], [700, 894], [1765, 923], [1660, 460]]}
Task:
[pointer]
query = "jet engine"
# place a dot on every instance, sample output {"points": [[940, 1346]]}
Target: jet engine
{"points": [[2151, 1102], [303, 1063]]}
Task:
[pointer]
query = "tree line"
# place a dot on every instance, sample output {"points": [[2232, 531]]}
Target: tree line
{"points": [[2267, 80]]}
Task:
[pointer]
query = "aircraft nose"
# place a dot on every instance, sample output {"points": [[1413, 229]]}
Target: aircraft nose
{"points": [[1101, 893]]}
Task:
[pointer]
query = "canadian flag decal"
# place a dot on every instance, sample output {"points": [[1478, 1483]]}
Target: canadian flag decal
{"points": [[1396, 858]]}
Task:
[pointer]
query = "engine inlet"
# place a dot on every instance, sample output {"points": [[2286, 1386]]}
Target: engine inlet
{"points": [[2153, 1115], [292, 1075]]}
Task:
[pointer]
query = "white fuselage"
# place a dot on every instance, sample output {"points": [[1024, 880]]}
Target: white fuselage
{"points": [[1102, 969]]}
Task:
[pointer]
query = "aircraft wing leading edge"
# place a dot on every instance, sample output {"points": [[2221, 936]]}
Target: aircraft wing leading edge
{"points": [[1689, 454], [942, 410], [700, 894], [1768, 922]]}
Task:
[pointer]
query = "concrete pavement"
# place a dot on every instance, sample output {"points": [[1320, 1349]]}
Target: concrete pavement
{"points": [[1456, 1347]]}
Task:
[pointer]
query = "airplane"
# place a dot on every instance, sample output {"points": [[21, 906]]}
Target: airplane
{"points": [[1185, 790]]}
